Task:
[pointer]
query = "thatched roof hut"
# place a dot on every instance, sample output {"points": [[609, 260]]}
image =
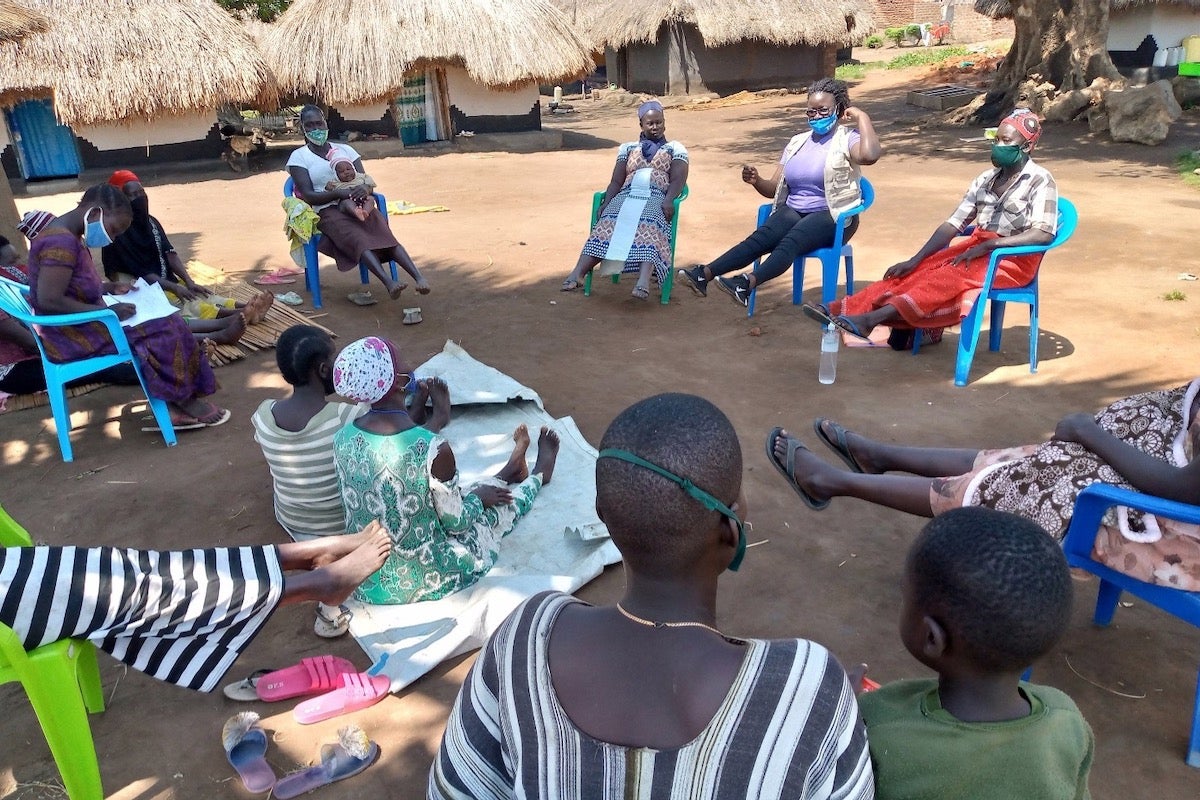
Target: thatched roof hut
{"points": [[17, 21], [124, 60], [362, 51], [618, 23], [693, 46]]}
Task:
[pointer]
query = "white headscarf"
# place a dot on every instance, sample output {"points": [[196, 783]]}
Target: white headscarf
{"points": [[364, 371]]}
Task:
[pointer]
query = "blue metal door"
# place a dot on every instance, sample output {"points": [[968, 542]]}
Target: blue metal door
{"points": [[45, 149]]}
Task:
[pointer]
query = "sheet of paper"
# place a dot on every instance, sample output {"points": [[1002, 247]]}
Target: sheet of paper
{"points": [[150, 300]]}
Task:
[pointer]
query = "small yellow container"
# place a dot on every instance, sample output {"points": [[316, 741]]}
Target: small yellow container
{"points": [[1191, 48], [990, 133]]}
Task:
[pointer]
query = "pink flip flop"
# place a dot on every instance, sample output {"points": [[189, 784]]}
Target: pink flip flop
{"points": [[272, 279], [358, 691], [287, 272], [310, 676]]}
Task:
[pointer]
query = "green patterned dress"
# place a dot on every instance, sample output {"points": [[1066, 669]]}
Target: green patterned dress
{"points": [[443, 539]]}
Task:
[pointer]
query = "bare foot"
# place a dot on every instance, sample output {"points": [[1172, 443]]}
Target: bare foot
{"points": [[257, 308], [233, 330], [337, 581], [516, 470], [547, 454], [811, 473], [396, 289], [330, 548]]}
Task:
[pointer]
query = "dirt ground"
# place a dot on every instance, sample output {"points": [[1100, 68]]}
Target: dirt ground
{"points": [[495, 262]]}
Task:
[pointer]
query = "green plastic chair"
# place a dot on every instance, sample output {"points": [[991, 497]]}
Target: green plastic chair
{"points": [[62, 681], [597, 199]]}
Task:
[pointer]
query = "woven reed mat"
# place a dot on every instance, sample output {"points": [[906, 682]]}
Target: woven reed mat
{"points": [[20, 402], [262, 336]]}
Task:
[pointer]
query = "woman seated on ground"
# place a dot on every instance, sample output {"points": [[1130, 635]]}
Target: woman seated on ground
{"points": [[181, 617], [398, 470], [648, 698], [144, 251], [816, 180], [63, 280], [1148, 442], [1014, 204], [345, 238], [633, 233], [20, 363]]}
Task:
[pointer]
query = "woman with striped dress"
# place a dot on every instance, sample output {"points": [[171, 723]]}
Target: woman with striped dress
{"points": [[649, 698], [184, 616]]}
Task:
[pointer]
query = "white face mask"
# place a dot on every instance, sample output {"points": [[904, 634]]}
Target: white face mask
{"points": [[95, 233]]}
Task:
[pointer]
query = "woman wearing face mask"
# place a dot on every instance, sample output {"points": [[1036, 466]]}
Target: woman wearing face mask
{"points": [[346, 239], [63, 280], [816, 180], [400, 471], [633, 232], [1013, 204]]}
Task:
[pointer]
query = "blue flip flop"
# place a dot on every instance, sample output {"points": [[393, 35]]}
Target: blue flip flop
{"points": [[843, 323], [817, 313], [788, 469], [353, 753], [246, 747]]}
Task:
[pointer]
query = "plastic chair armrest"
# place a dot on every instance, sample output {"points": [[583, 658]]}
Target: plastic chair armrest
{"points": [[107, 316], [1097, 498]]}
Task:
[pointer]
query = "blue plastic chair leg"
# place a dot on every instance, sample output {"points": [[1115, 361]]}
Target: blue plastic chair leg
{"points": [[1106, 602], [62, 417], [1193, 754], [162, 416], [312, 277], [1033, 336], [997, 331]]}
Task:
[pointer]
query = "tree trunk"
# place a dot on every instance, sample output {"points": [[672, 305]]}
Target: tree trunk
{"points": [[1060, 42]]}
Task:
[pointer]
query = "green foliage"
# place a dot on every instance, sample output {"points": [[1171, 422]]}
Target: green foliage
{"points": [[1174, 294], [926, 55], [850, 72], [895, 34], [265, 10], [1187, 163], [913, 31], [873, 41]]}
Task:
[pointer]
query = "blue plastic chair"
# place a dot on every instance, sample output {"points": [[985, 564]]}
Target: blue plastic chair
{"points": [[968, 341], [14, 301], [669, 281], [1090, 507], [62, 682], [312, 280], [830, 257]]}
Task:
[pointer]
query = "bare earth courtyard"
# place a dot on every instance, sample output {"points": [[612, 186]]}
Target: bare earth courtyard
{"points": [[495, 261]]}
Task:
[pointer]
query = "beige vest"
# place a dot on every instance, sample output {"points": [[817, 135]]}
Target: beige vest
{"points": [[841, 173]]}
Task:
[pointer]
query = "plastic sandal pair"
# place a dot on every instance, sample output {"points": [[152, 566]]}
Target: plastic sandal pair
{"points": [[339, 684], [245, 746]]}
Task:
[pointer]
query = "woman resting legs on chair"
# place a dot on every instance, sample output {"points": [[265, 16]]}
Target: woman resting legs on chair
{"points": [[1148, 442]]}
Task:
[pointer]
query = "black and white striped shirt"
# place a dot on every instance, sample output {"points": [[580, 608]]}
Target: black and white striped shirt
{"points": [[788, 728]]}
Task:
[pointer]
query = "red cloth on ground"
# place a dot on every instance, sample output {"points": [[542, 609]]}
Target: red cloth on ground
{"points": [[938, 294]]}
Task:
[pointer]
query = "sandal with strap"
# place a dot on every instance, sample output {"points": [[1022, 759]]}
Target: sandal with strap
{"points": [[640, 293], [788, 468], [332, 621], [569, 285]]}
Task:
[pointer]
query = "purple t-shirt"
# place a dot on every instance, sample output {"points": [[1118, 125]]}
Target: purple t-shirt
{"points": [[805, 173]]}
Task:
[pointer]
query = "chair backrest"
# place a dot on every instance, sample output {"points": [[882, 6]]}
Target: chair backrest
{"points": [[11, 532], [288, 186], [1068, 219], [14, 300], [868, 193]]}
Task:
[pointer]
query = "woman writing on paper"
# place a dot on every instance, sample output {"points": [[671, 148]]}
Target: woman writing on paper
{"points": [[63, 280]]}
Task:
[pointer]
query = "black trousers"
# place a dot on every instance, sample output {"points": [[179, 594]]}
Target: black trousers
{"points": [[27, 377], [786, 234]]}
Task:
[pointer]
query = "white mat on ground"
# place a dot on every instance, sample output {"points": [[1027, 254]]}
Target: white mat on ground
{"points": [[560, 544]]}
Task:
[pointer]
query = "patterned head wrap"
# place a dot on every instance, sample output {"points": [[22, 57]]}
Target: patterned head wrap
{"points": [[365, 371], [32, 223], [122, 177], [1026, 123], [648, 106]]}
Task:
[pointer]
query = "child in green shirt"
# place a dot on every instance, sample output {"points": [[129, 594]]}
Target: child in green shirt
{"points": [[986, 593]]}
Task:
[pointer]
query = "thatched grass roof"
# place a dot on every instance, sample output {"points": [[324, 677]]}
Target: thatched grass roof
{"points": [[121, 60], [360, 51], [617, 23], [17, 21], [1002, 9]]}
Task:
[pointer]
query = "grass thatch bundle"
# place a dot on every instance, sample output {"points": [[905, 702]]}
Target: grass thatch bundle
{"points": [[360, 51], [618, 23], [122, 60], [17, 21]]}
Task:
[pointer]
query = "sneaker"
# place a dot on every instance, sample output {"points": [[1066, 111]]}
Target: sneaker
{"points": [[695, 279], [738, 288]]}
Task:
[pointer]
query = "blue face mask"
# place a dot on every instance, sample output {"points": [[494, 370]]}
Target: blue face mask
{"points": [[411, 386], [695, 492], [823, 125], [94, 234]]}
